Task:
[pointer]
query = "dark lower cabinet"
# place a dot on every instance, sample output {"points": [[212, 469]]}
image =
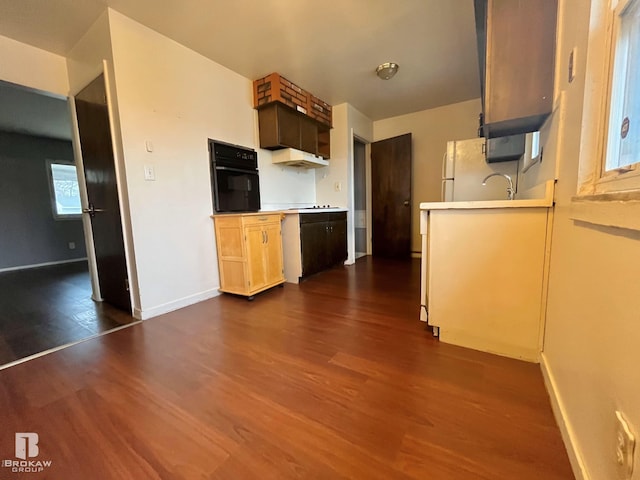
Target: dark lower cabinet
{"points": [[323, 238]]}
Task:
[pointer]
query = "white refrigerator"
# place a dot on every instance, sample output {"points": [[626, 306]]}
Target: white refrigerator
{"points": [[464, 167]]}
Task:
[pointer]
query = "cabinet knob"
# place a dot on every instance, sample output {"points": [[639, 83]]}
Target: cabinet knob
{"points": [[406, 203]]}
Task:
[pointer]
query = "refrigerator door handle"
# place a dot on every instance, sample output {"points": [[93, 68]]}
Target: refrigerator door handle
{"points": [[444, 165], [444, 182]]}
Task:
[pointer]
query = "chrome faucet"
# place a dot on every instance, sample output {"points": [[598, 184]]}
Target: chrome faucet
{"points": [[510, 191]]}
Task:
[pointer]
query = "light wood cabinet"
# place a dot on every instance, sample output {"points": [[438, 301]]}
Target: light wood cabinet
{"points": [[516, 48], [249, 252]]}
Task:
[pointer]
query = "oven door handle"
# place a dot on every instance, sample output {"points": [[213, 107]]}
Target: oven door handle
{"points": [[241, 170]]}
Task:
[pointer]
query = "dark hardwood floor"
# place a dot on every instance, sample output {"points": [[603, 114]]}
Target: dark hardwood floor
{"points": [[44, 308], [332, 379]]}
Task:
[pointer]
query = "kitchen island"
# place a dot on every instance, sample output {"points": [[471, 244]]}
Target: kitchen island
{"points": [[484, 273]]}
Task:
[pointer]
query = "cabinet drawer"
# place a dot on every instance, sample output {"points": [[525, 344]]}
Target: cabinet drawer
{"points": [[260, 219], [313, 217], [333, 216]]}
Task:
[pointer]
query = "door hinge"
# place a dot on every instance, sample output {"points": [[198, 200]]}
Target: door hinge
{"points": [[126, 284]]}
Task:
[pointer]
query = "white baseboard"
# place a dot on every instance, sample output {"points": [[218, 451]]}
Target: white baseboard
{"points": [[46, 264], [568, 435], [175, 305]]}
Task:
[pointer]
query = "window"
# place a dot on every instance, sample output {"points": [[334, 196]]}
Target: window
{"points": [[532, 151], [621, 156], [65, 193]]}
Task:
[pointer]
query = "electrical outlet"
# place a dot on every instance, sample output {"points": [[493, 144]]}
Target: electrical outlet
{"points": [[625, 446], [337, 186]]}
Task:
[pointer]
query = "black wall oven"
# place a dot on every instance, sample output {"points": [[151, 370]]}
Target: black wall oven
{"points": [[234, 177]]}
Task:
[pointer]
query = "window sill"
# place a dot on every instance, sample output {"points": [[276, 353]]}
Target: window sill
{"points": [[619, 210]]}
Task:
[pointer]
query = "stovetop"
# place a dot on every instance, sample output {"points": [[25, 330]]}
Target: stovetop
{"points": [[314, 207]]}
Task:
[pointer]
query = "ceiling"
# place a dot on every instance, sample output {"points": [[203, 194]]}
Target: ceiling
{"points": [[330, 48]]}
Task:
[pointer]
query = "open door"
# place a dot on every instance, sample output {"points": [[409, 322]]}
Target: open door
{"points": [[391, 197], [102, 193]]}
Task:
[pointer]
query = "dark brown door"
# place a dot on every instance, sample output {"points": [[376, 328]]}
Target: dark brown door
{"points": [[391, 197], [102, 192]]}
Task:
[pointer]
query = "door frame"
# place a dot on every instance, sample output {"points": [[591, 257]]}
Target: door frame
{"points": [[123, 200], [351, 230], [367, 187]]}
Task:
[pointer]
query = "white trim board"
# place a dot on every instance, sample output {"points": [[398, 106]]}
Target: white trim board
{"points": [[46, 264], [175, 305], [559, 410]]}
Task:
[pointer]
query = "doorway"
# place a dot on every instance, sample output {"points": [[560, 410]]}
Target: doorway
{"points": [[391, 169], [360, 197], [45, 286]]}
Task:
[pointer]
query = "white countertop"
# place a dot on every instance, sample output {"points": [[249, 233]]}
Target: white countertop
{"points": [[547, 201], [313, 210]]}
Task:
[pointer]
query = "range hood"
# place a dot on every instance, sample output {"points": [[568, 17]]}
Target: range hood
{"points": [[297, 158]]}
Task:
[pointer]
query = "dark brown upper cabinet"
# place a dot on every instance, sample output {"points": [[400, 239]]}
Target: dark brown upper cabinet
{"points": [[291, 117], [516, 49], [284, 127]]}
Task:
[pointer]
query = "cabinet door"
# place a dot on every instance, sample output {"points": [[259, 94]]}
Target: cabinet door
{"points": [[337, 242], [520, 48], [255, 256], [273, 254], [308, 135], [313, 239], [288, 127]]}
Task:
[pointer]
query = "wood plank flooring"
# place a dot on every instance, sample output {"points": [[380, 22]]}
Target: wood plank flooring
{"points": [[332, 379], [46, 307]]}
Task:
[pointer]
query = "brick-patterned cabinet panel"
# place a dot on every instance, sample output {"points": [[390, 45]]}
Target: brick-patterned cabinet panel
{"points": [[276, 88]]}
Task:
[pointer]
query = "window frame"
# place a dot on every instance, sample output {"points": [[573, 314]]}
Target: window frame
{"points": [[52, 194], [614, 201], [626, 178]]}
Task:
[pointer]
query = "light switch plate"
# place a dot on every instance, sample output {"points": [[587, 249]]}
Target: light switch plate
{"points": [[149, 173]]}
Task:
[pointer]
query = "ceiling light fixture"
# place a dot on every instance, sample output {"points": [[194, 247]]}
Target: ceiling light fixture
{"points": [[387, 70]]}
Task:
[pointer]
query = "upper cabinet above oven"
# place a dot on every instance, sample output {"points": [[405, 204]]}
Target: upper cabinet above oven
{"points": [[516, 49], [290, 117]]}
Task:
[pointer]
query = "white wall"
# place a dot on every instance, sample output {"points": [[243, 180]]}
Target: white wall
{"points": [[84, 60], [592, 331], [32, 67], [177, 99], [430, 131], [348, 123]]}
